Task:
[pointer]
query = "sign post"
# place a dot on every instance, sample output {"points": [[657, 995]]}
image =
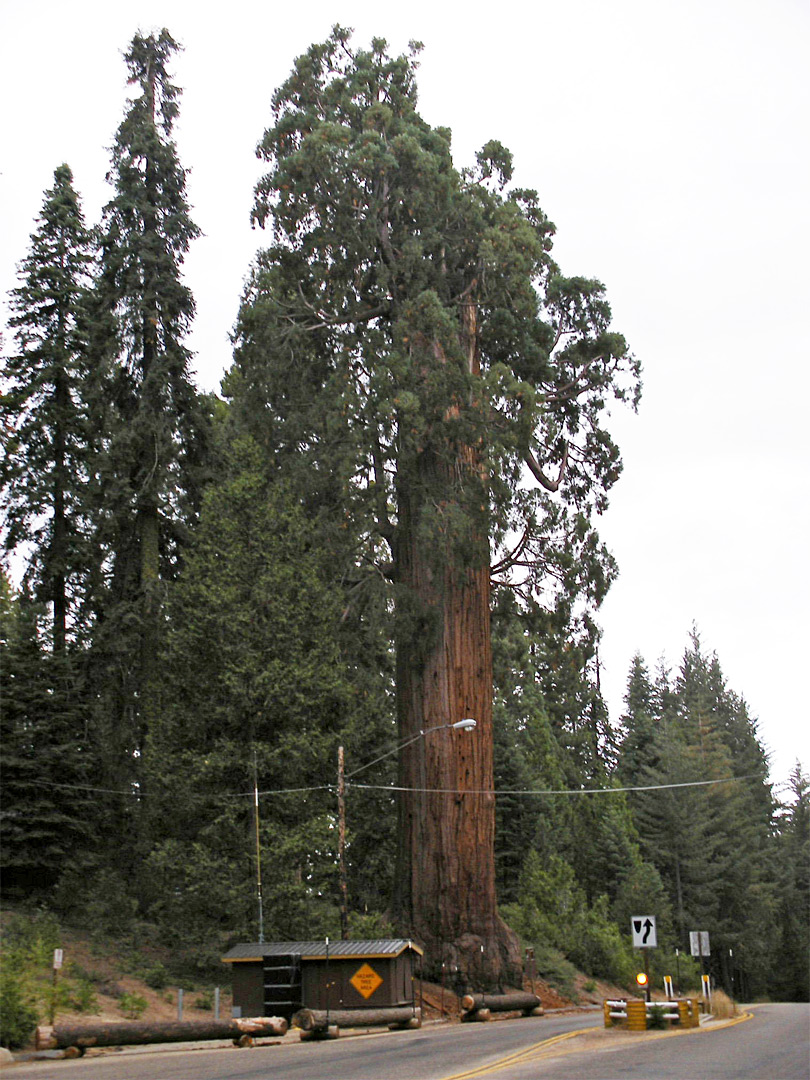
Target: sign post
{"points": [[58, 957], [531, 968], [645, 936], [699, 946]]}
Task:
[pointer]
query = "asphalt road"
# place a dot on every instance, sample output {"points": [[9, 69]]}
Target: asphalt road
{"points": [[774, 1044]]}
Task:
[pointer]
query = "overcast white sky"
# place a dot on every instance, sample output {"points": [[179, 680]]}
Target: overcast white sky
{"points": [[669, 144]]}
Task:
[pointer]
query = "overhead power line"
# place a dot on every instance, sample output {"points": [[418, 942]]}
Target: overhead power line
{"points": [[134, 793], [551, 791]]}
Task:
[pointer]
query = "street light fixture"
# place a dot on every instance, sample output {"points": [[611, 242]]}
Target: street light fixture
{"points": [[467, 724]]}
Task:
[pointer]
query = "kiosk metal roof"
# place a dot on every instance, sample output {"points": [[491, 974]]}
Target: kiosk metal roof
{"points": [[319, 950]]}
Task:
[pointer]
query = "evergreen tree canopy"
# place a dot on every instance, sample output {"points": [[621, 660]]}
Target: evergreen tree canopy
{"points": [[416, 410], [350, 354], [710, 841], [43, 408], [408, 340], [146, 232], [47, 817], [151, 418], [255, 677], [790, 973]]}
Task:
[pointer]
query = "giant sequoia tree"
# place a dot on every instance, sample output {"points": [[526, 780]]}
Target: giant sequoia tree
{"points": [[409, 342]]}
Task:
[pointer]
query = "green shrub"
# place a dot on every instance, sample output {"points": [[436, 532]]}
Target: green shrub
{"points": [[101, 902], [82, 996], [205, 1000], [552, 908], [656, 1018], [29, 940], [594, 943], [369, 926], [132, 1005], [18, 1012], [156, 977]]}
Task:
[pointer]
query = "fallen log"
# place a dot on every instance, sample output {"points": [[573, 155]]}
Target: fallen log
{"points": [[318, 1020], [332, 1032], [137, 1033], [476, 1016], [528, 1004]]}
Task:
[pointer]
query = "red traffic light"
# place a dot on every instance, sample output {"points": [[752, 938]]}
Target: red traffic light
{"points": [[642, 978]]}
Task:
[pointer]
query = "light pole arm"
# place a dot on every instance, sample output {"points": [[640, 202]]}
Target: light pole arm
{"points": [[460, 725]]}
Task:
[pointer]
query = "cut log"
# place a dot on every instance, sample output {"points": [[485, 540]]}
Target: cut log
{"points": [[332, 1032], [412, 1024], [476, 1016], [137, 1033], [514, 1002], [319, 1019]]}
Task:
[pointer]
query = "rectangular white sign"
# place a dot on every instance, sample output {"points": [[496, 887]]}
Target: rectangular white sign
{"points": [[642, 927], [699, 942]]}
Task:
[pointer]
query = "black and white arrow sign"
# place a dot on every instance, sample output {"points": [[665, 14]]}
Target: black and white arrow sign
{"points": [[643, 930]]}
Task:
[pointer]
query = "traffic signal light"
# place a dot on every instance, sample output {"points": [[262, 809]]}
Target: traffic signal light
{"points": [[642, 979]]}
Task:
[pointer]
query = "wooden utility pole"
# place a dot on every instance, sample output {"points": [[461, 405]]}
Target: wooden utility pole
{"points": [[258, 846], [344, 889]]}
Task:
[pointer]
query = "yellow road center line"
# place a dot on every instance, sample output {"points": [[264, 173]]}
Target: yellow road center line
{"points": [[522, 1057], [518, 1057]]}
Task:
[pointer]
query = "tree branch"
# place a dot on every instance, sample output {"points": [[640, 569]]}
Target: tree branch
{"points": [[540, 476], [511, 559]]}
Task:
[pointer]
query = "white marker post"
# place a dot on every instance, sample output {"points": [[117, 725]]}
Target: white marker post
{"points": [[58, 957]]}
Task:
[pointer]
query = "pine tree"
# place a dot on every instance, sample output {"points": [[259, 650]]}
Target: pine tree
{"points": [[710, 842], [790, 979], [637, 723], [155, 425], [255, 676], [48, 815], [43, 410], [408, 341]]}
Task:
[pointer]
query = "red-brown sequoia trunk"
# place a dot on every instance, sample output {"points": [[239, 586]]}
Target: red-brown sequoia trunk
{"points": [[445, 877]]}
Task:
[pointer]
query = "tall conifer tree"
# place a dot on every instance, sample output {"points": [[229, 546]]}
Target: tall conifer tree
{"points": [[410, 342], [43, 408], [155, 424], [791, 971]]}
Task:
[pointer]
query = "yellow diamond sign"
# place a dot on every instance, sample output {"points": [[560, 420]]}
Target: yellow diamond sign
{"points": [[366, 980]]}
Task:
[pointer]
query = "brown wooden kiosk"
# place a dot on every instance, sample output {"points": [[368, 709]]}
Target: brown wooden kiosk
{"points": [[279, 978]]}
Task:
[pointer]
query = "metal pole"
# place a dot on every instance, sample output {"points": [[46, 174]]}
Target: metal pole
{"points": [[258, 847], [344, 888], [647, 973], [216, 1003]]}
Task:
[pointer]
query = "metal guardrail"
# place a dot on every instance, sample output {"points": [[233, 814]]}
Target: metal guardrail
{"points": [[635, 1013]]}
